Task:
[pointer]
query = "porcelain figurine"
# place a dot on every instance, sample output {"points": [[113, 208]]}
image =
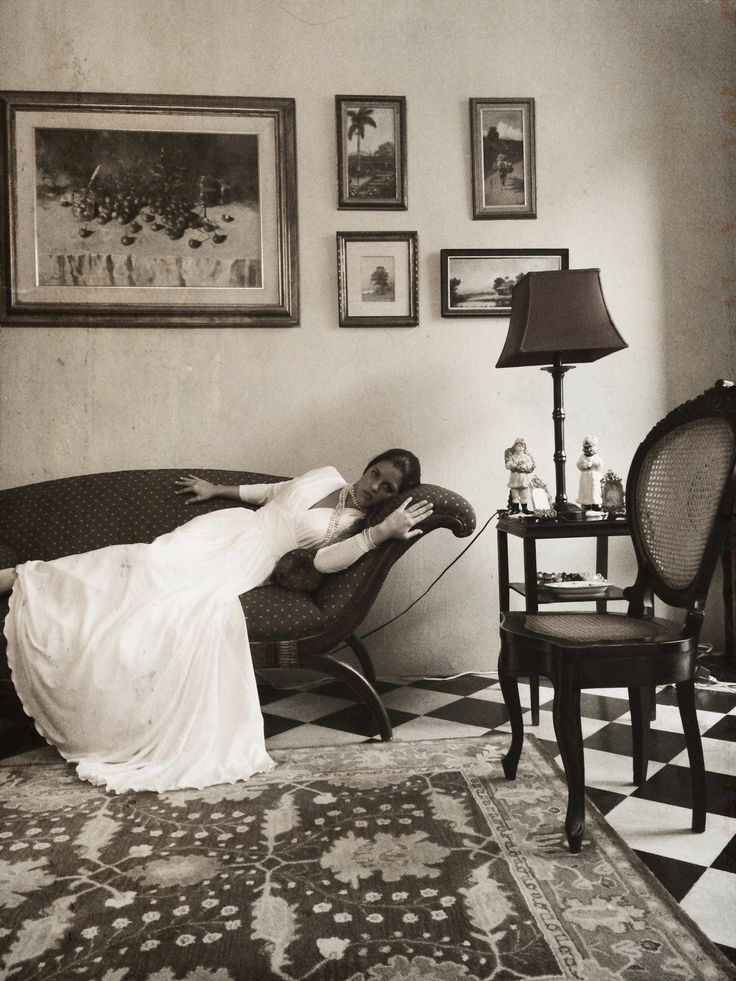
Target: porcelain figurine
{"points": [[521, 465], [590, 466]]}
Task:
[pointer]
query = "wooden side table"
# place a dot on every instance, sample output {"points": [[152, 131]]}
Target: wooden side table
{"points": [[533, 530]]}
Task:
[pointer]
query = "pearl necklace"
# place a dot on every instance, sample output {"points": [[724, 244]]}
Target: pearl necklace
{"points": [[333, 527], [354, 499]]}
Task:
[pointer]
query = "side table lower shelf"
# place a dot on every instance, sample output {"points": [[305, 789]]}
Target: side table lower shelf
{"points": [[535, 595]]}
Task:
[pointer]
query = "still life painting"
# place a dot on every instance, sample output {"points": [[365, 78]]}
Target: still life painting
{"points": [[149, 210]]}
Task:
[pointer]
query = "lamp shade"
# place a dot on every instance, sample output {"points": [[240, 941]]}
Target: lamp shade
{"points": [[559, 315]]}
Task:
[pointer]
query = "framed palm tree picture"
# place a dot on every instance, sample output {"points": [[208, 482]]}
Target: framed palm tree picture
{"points": [[371, 152]]}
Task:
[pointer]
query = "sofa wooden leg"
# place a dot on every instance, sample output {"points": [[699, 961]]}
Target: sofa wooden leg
{"points": [[361, 652], [359, 685]]}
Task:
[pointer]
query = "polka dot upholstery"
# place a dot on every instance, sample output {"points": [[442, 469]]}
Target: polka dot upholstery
{"points": [[8, 557], [77, 514]]}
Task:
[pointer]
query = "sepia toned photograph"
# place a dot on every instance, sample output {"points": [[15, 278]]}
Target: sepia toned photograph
{"points": [[377, 276], [504, 169], [371, 152], [479, 282]]}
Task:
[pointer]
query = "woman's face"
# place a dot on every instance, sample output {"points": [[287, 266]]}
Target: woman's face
{"points": [[380, 482]]}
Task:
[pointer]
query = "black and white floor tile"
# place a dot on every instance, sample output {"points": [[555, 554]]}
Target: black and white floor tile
{"points": [[699, 870]]}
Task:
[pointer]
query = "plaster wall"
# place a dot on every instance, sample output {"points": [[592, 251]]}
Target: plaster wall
{"points": [[632, 104]]}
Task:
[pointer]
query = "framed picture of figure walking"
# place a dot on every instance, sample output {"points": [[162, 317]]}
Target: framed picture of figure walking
{"points": [[504, 166], [371, 152]]}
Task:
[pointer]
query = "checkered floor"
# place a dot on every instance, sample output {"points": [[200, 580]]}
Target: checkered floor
{"points": [[698, 869]]}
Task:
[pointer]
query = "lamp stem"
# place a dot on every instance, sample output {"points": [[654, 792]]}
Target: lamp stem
{"points": [[557, 370]]}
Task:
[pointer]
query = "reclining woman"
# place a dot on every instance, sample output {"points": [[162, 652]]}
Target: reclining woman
{"points": [[133, 660]]}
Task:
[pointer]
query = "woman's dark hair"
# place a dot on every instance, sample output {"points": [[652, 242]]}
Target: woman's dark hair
{"points": [[405, 462]]}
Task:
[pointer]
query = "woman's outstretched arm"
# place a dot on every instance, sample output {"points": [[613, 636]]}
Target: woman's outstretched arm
{"points": [[203, 490]]}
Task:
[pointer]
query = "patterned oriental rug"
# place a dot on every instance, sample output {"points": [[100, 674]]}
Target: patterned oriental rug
{"points": [[369, 862]]}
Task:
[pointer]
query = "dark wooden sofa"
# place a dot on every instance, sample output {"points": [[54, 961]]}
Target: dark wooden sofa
{"points": [[287, 628]]}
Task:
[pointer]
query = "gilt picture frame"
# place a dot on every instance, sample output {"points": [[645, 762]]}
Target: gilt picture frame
{"points": [[478, 282], [503, 158], [137, 210], [371, 152], [377, 274]]}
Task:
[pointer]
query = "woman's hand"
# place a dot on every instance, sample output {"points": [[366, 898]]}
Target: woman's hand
{"points": [[202, 490], [402, 521]]}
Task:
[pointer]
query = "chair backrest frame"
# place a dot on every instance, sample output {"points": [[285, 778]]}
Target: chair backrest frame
{"points": [[718, 402]]}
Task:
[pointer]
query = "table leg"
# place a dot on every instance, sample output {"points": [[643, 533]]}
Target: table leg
{"points": [[601, 566], [532, 606], [503, 571]]}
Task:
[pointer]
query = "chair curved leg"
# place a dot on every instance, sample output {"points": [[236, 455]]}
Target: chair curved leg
{"points": [[640, 706], [360, 686], [534, 696], [358, 648], [566, 716], [510, 691], [689, 717]]}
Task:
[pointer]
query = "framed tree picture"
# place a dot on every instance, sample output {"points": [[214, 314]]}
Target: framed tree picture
{"points": [[478, 282], [148, 210], [371, 152], [503, 155], [377, 279]]}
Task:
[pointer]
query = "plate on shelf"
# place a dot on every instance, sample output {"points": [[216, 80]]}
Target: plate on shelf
{"points": [[574, 588]]}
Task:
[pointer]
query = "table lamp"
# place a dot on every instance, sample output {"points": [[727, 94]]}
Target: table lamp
{"points": [[559, 316]]}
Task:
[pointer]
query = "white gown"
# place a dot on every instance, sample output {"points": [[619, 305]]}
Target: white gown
{"points": [[133, 660]]}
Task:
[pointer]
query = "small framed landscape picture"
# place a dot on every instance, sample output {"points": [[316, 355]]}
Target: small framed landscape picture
{"points": [[377, 279], [371, 152], [504, 168], [478, 282]]}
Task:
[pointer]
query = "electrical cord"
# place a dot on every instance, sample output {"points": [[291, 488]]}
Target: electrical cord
{"points": [[434, 582]]}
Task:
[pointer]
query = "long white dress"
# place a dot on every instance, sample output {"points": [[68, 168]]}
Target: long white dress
{"points": [[133, 660]]}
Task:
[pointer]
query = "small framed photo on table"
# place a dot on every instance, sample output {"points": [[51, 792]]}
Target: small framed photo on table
{"points": [[371, 152], [377, 275], [504, 166]]}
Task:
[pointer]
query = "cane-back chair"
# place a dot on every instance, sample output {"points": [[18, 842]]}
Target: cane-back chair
{"points": [[676, 496]]}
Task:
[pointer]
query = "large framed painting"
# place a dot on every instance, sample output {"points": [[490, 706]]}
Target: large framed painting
{"points": [[371, 152], [478, 282], [503, 154], [377, 279], [148, 210]]}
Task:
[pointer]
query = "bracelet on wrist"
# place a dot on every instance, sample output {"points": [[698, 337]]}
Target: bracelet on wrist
{"points": [[368, 539]]}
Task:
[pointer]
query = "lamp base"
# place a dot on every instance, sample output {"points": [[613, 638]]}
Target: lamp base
{"points": [[566, 509]]}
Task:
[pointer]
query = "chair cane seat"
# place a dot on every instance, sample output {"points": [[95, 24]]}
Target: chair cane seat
{"points": [[598, 628]]}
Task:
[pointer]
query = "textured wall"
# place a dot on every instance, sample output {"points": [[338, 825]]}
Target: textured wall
{"points": [[632, 178]]}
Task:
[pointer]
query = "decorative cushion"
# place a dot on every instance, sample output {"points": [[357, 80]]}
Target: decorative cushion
{"points": [[296, 571]]}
